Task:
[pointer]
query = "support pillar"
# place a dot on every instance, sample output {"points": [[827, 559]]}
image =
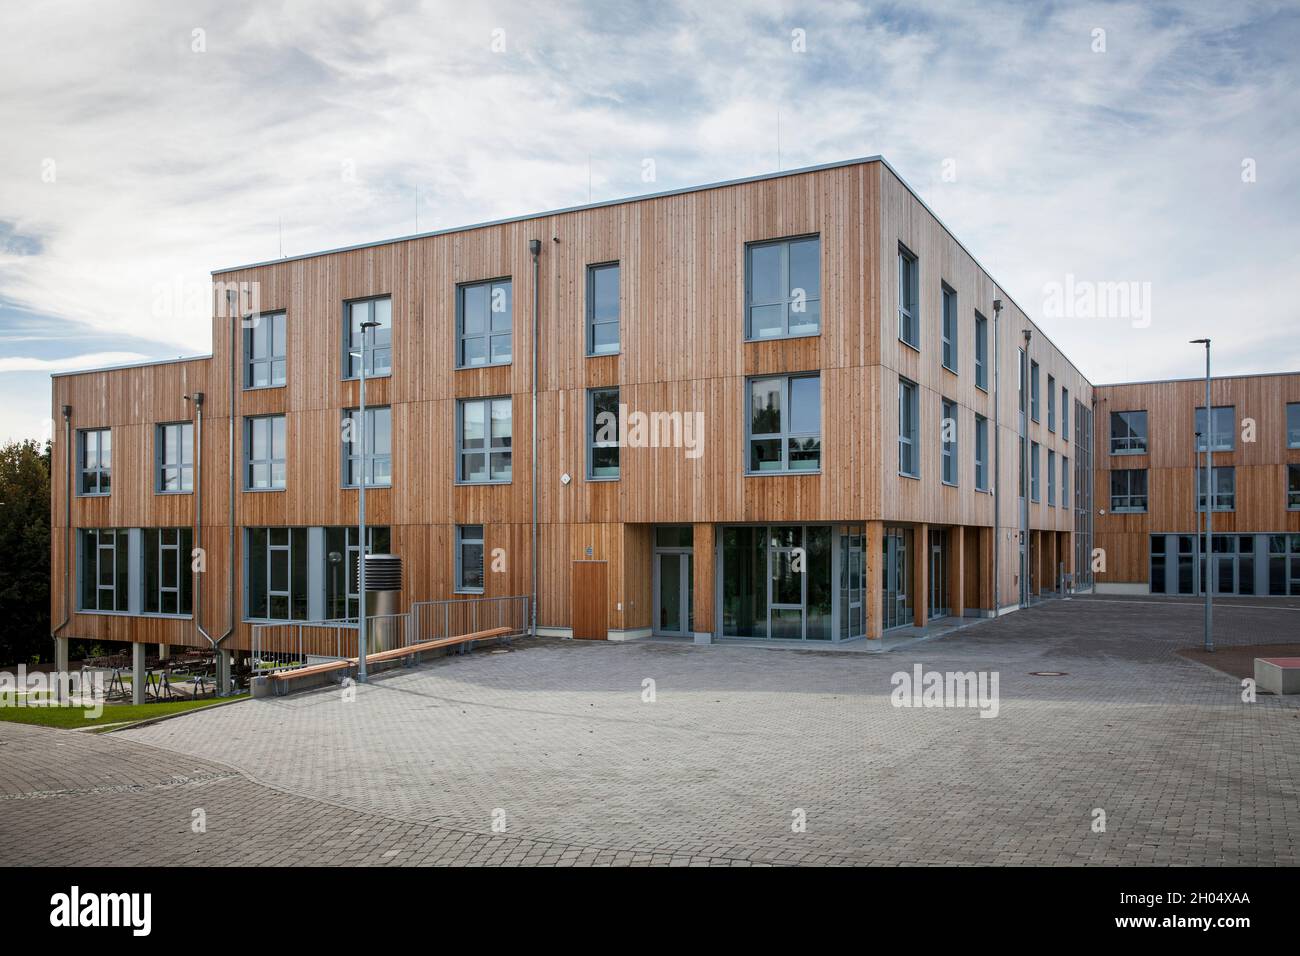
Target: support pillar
{"points": [[703, 577], [875, 560], [921, 575], [164, 652], [956, 560], [223, 673], [137, 672], [61, 666]]}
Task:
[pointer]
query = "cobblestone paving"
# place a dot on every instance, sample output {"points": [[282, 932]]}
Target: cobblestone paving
{"points": [[557, 738]]}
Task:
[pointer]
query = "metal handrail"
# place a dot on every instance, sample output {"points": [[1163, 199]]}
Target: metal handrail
{"points": [[434, 620]]}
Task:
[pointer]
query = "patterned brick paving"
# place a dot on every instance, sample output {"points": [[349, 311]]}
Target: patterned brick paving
{"points": [[556, 736]]}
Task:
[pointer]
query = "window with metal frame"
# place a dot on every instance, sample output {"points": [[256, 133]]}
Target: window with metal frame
{"points": [[981, 453], [1035, 473], [1051, 403], [94, 461], [1225, 427], [909, 412], [484, 323], [1224, 488], [104, 569], [484, 440], [783, 288], [1128, 433], [948, 441], [909, 294], [602, 434], [265, 350], [1293, 425], [1051, 478], [1033, 390], [342, 598], [168, 582], [784, 424], [276, 574], [379, 343], [981, 352], [376, 460], [949, 328], [1065, 414], [175, 457], [603, 309], [1293, 487], [469, 559], [265, 453]]}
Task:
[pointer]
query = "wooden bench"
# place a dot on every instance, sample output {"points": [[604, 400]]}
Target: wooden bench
{"points": [[397, 653], [279, 681]]}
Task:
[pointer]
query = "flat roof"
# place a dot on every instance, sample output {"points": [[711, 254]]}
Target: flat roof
{"points": [[145, 364], [1195, 378]]}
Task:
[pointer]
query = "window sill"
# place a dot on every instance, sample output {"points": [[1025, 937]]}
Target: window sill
{"points": [[260, 491], [612, 354], [190, 492], [267, 388], [604, 478], [783, 473], [984, 491], [164, 616], [781, 338], [471, 368], [983, 388], [949, 368], [295, 620], [95, 494], [948, 484], [107, 613], [907, 474], [1130, 452], [914, 348], [467, 591], [373, 487], [475, 484]]}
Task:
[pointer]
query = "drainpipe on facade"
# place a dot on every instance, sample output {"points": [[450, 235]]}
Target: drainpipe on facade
{"points": [[1024, 464], [535, 248], [997, 461]]}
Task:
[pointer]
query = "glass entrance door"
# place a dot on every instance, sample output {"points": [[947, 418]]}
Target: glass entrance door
{"points": [[672, 593], [938, 588]]}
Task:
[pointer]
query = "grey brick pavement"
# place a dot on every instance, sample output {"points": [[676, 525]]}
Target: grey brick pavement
{"points": [[557, 736]]}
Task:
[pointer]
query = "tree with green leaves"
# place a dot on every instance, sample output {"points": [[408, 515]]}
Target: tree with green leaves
{"points": [[24, 553]]}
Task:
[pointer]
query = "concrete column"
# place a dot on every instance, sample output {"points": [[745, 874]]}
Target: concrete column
{"points": [[921, 575], [875, 578], [957, 570], [137, 672], [61, 664], [223, 673], [164, 652]]}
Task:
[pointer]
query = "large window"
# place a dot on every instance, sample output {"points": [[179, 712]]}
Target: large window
{"points": [[602, 433], [1293, 487], [1128, 490], [948, 441], [265, 350], [276, 569], [783, 288], [376, 461], [1033, 390], [94, 461], [981, 453], [342, 597], [1293, 425], [484, 323], [1224, 423], [378, 344], [168, 582], [484, 434], [777, 582], [1051, 403], [1065, 482], [1035, 472], [105, 575], [1225, 488], [909, 294], [175, 457], [909, 414], [1128, 433], [1284, 564], [1065, 414], [981, 352], [469, 558], [602, 309], [785, 424], [264, 453], [1051, 478], [949, 329]]}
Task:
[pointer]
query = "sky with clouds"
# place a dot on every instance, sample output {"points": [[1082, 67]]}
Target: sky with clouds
{"points": [[147, 143]]}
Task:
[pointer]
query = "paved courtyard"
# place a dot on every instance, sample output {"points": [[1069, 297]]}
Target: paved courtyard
{"points": [[557, 742]]}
